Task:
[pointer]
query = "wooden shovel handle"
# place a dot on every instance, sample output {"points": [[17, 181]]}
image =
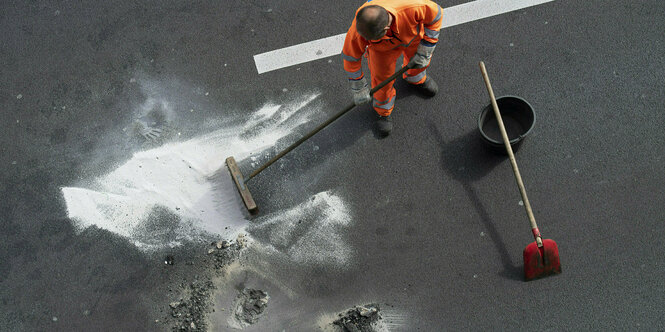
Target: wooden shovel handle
{"points": [[511, 155]]}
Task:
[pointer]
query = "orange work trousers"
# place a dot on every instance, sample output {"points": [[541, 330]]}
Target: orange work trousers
{"points": [[382, 66]]}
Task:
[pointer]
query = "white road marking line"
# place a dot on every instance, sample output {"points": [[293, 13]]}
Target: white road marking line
{"points": [[480, 9], [332, 46], [301, 53]]}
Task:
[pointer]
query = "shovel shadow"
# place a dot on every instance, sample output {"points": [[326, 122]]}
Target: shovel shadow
{"points": [[467, 160]]}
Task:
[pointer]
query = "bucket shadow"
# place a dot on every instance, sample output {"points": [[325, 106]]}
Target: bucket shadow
{"points": [[467, 160]]}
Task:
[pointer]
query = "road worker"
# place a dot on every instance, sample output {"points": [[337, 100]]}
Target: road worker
{"points": [[382, 31]]}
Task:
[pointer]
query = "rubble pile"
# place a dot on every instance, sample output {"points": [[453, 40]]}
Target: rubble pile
{"points": [[359, 319], [189, 311]]}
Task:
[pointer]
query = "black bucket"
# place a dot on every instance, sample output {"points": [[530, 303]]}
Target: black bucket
{"points": [[518, 119]]}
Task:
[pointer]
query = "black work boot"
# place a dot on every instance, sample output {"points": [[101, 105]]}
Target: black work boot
{"points": [[384, 125], [429, 88]]}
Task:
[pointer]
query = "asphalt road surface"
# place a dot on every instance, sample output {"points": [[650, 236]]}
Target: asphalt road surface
{"points": [[426, 223]]}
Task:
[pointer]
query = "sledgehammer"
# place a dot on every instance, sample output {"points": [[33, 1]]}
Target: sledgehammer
{"points": [[241, 183]]}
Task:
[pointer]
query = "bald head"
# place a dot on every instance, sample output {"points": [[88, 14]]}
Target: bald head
{"points": [[372, 21]]}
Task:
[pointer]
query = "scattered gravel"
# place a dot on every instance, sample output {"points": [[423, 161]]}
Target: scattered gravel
{"points": [[359, 319], [188, 311]]}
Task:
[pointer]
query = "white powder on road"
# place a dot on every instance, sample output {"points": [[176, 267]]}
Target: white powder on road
{"points": [[186, 179], [310, 233], [285, 246]]}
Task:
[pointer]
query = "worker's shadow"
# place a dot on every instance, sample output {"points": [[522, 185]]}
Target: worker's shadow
{"points": [[362, 120], [467, 160], [406, 90], [308, 157]]}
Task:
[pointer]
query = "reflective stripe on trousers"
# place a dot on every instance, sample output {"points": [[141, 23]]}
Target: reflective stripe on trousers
{"points": [[382, 66]]}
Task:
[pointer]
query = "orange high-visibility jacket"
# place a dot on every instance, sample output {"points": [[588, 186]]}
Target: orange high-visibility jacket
{"points": [[413, 21]]}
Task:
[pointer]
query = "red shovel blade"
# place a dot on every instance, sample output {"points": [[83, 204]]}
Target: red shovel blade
{"points": [[541, 262]]}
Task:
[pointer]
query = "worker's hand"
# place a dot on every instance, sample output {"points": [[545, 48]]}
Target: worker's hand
{"points": [[422, 57], [360, 91]]}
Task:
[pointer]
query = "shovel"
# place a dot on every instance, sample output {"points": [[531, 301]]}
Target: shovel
{"points": [[541, 257]]}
